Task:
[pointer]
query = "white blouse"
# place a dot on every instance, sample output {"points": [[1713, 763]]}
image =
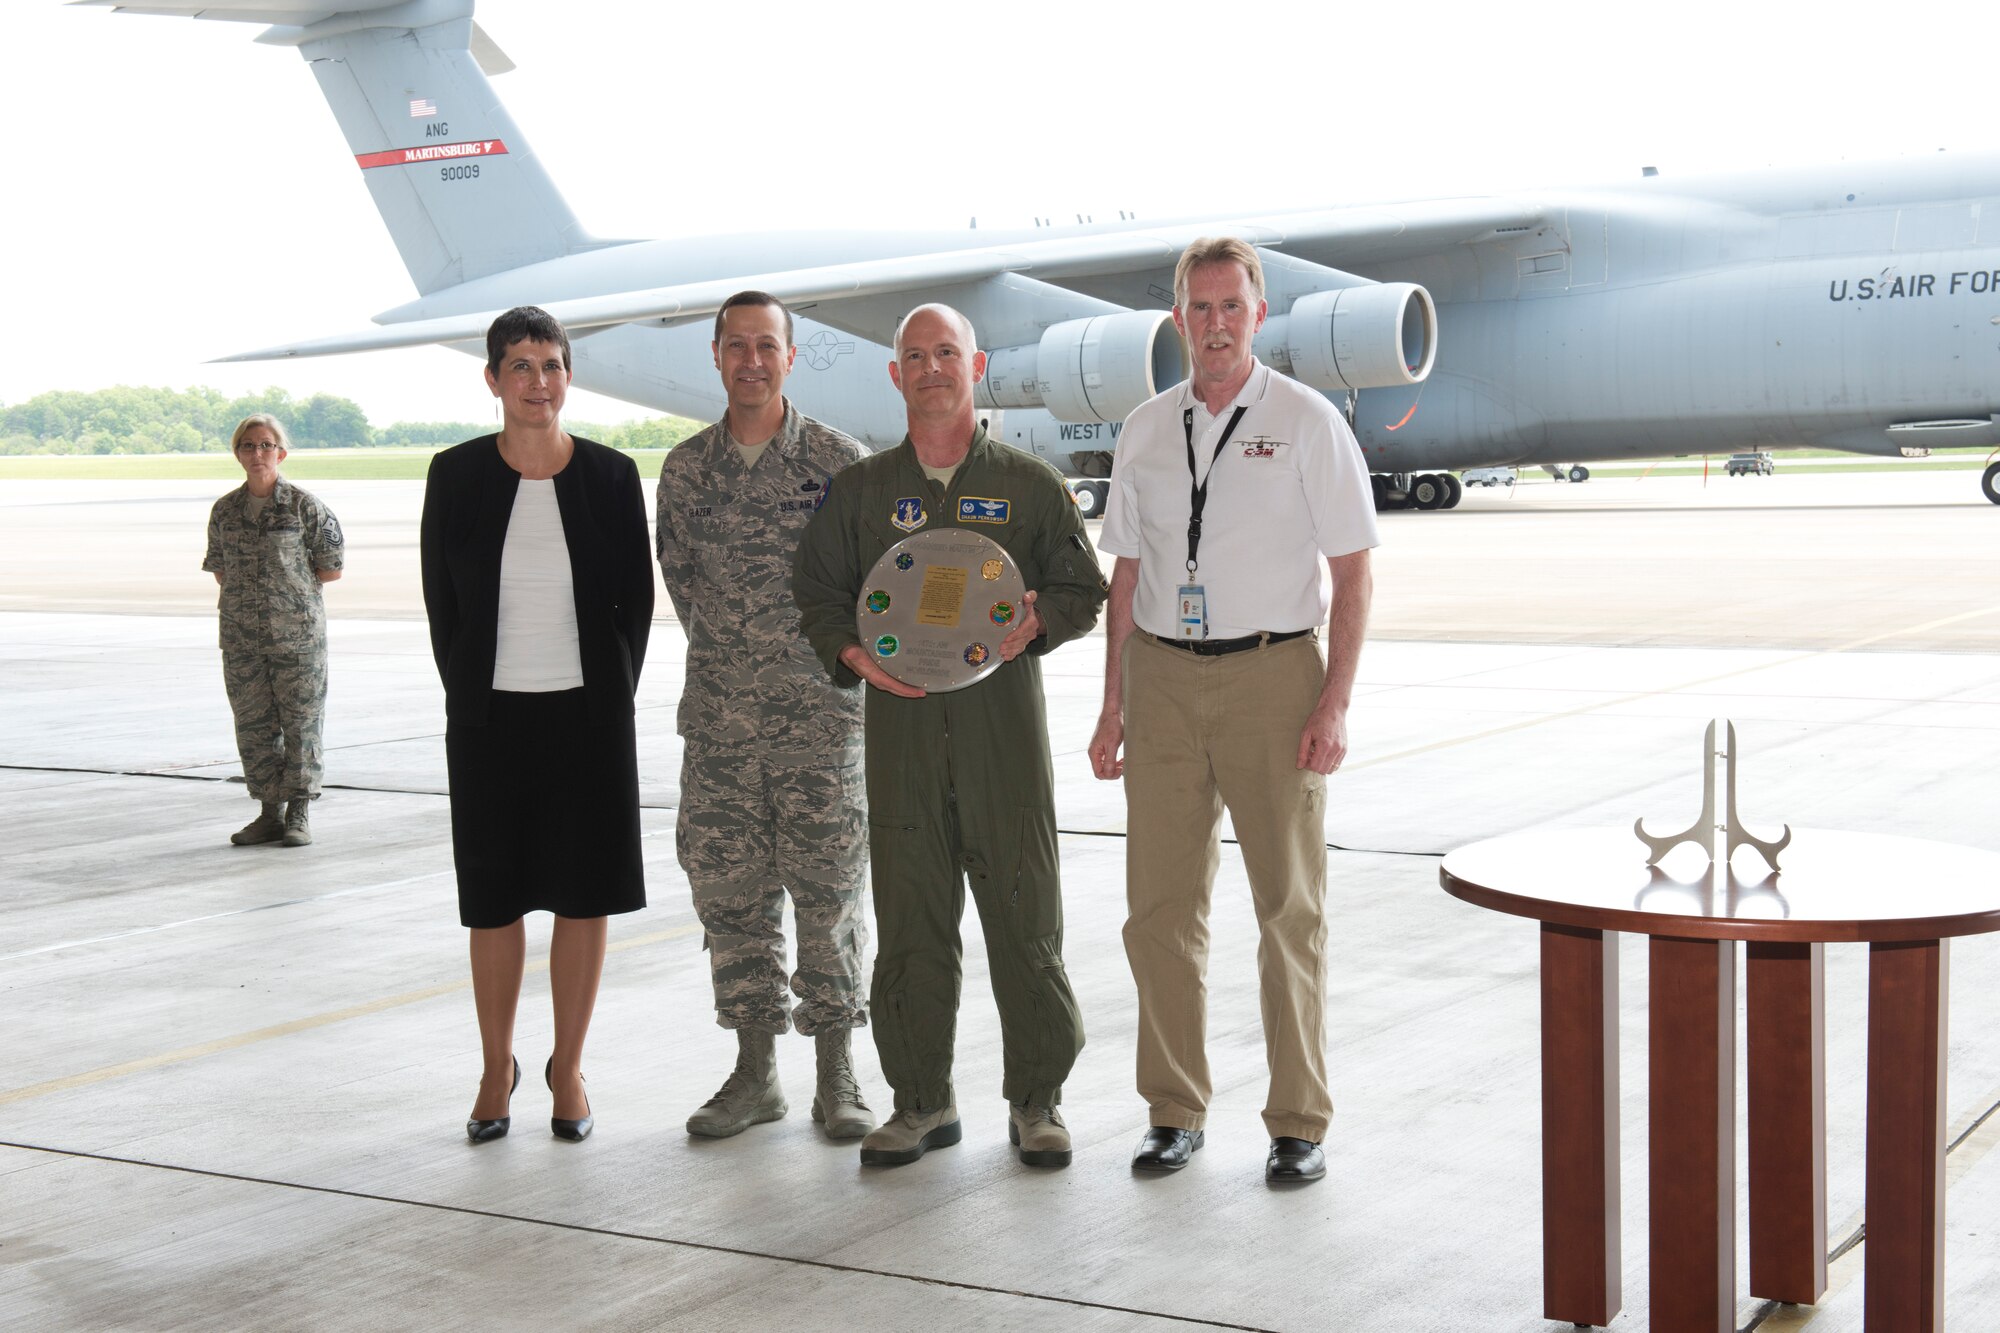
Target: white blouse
{"points": [[537, 651]]}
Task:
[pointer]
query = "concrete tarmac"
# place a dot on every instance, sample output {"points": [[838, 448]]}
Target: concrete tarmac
{"points": [[235, 1078]]}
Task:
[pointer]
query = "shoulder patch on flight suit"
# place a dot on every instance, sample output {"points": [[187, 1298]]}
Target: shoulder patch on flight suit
{"points": [[909, 515], [977, 509]]}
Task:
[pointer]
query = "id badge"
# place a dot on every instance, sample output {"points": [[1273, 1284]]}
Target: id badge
{"points": [[1193, 618]]}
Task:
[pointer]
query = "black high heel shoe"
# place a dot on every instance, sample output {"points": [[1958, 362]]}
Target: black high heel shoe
{"points": [[485, 1131], [573, 1131]]}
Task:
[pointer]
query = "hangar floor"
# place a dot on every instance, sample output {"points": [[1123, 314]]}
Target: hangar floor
{"points": [[234, 1080]]}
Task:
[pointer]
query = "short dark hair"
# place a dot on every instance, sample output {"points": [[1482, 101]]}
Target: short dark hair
{"points": [[524, 323], [753, 298]]}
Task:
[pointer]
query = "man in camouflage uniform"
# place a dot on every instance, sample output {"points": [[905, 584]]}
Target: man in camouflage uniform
{"points": [[270, 547], [771, 772]]}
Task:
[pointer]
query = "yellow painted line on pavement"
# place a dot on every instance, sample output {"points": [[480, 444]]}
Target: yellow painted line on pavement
{"points": [[1580, 710], [297, 1025]]}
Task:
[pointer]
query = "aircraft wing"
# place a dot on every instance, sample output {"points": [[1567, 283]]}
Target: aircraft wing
{"points": [[282, 12], [1354, 236]]}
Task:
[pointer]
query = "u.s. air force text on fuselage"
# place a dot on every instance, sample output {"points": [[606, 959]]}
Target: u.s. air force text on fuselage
{"points": [[1886, 286]]}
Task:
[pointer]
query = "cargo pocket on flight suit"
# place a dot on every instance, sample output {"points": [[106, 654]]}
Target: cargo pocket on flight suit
{"points": [[893, 856], [1034, 907]]}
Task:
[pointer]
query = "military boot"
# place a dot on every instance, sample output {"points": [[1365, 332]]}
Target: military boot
{"points": [[266, 827], [749, 1096], [1039, 1133], [298, 823], [837, 1100], [909, 1134]]}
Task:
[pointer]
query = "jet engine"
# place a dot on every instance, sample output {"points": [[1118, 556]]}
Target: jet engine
{"points": [[1093, 369], [1376, 336]]}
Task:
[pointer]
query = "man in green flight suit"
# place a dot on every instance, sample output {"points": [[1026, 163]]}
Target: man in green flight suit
{"points": [[960, 787]]}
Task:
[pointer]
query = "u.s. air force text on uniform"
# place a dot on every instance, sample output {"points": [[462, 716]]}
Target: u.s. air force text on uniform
{"points": [[771, 774], [273, 631]]}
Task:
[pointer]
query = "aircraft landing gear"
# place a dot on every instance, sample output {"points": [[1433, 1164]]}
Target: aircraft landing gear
{"points": [[1391, 492], [1990, 482], [1090, 497], [1575, 472], [1424, 490], [1579, 473]]}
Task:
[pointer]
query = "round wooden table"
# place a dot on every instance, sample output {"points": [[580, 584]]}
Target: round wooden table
{"points": [[1903, 897]]}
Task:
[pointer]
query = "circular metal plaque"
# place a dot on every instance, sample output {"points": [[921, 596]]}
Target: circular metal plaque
{"points": [[935, 607]]}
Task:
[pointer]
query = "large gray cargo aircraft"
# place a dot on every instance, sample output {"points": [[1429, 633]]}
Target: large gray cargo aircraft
{"points": [[1848, 307]]}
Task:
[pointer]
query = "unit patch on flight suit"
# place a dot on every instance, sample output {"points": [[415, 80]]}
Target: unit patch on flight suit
{"points": [[909, 515], [973, 509]]}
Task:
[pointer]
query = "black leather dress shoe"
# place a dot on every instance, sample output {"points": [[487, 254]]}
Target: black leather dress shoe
{"points": [[574, 1131], [1165, 1149], [485, 1131], [1294, 1159]]}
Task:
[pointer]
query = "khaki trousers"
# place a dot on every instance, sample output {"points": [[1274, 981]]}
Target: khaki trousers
{"points": [[1202, 734]]}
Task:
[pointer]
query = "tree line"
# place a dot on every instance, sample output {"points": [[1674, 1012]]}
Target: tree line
{"points": [[128, 419]]}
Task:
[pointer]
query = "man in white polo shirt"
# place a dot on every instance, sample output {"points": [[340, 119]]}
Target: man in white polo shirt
{"points": [[1234, 497]]}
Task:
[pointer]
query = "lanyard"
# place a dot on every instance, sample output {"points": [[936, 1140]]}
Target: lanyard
{"points": [[1198, 492]]}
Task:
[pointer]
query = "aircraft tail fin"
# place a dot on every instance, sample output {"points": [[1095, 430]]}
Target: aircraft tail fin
{"points": [[458, 187]]}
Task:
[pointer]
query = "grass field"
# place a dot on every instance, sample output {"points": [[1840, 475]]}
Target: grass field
{"points": [[306, 465], [1686, 467], [302, 465]]}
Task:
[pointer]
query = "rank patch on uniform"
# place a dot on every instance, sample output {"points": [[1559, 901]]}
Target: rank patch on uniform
{"points": [[973, 509], [909, 515]]}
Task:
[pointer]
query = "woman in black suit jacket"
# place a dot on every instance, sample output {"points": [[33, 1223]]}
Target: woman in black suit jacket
{"points": [[538, 579]]}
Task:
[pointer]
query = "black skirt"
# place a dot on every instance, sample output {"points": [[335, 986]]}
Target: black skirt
{"points": [[544, 811]]}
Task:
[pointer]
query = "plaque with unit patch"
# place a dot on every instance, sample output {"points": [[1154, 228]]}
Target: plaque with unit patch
{"points": [[940, 603]]}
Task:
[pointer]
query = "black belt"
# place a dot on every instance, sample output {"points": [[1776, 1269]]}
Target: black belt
{"points": [[1217, 647]]}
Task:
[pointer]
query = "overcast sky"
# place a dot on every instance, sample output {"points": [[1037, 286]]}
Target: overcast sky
{"points": [[178, 192]]}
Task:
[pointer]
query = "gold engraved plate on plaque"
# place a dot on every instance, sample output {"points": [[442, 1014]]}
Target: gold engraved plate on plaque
{"points": [[942, 600], [913, 613]]}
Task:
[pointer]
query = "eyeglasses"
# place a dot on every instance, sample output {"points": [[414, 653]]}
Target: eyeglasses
{"points": [[252, 447]]}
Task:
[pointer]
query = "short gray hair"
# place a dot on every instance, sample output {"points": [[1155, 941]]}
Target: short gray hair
{"points": [[1217, 250], [266, 420]]}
